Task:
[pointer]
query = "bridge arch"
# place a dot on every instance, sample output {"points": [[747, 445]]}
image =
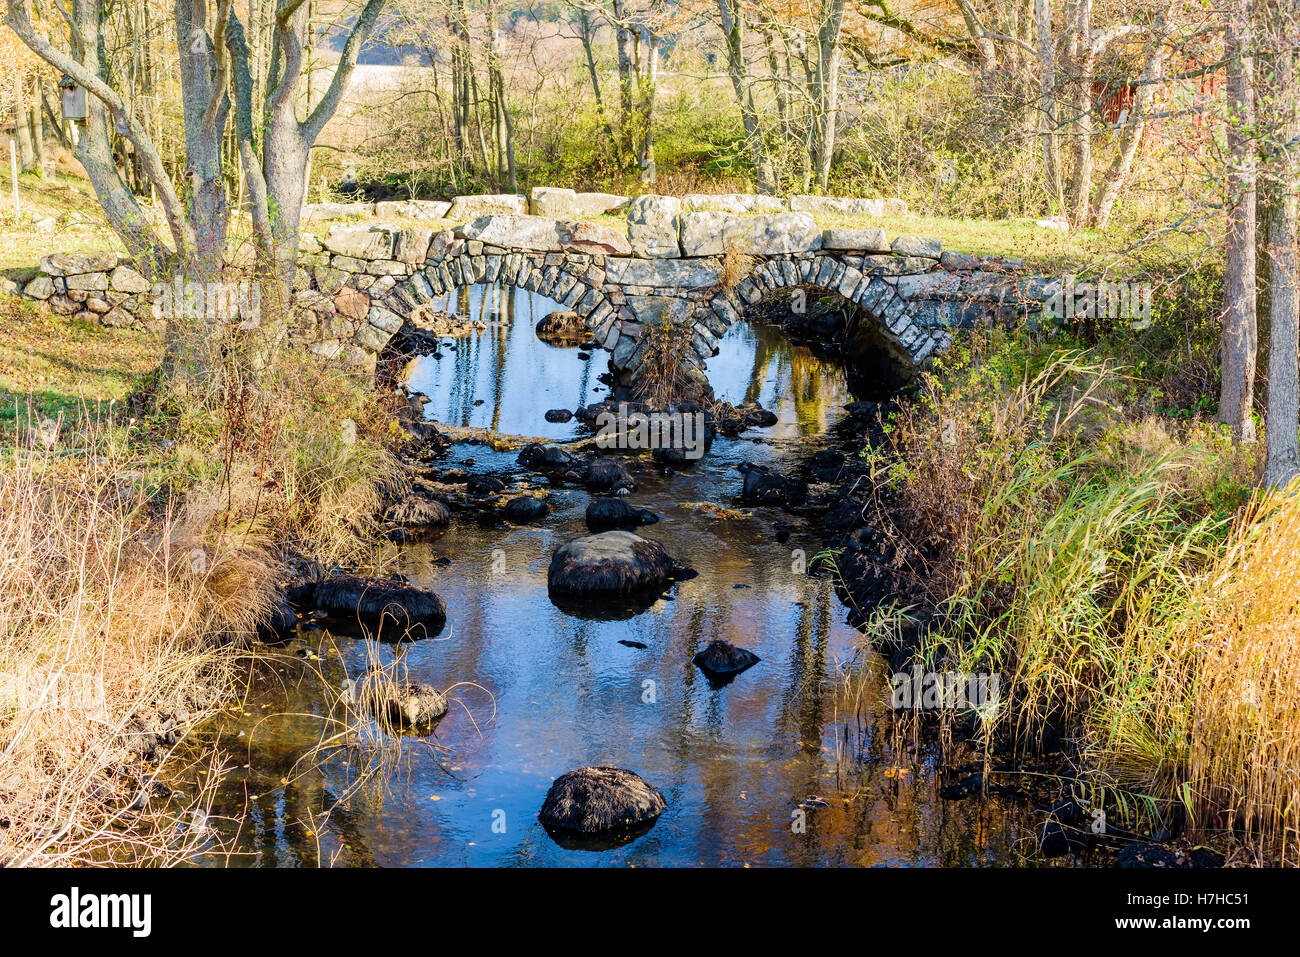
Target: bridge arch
{"points": [[560, 282], [893, 325]]}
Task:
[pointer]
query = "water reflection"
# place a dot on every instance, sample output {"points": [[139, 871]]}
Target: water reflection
{"points": [[733, 762]]}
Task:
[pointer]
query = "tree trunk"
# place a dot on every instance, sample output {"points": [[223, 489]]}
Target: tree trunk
{"points": [[1081, 64], [827, 91], [588, 36], [730, 16], [22, 127], [1047, 103], [1239, 341], [1277, 109]]}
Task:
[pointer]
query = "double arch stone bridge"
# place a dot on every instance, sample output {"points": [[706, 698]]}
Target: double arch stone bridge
{"points": [[705, 262], [363, 283]]}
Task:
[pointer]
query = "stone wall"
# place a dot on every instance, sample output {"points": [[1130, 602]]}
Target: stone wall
{"points": [[664, 259]]}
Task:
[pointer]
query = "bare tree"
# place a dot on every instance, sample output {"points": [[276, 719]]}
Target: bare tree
{"points": [[1240, 336], [216, 73]]}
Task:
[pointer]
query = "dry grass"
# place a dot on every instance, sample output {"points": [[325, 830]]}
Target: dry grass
{"points": [[1205, 713], [662, 377], [1138, 607], [139, 557], [100, 624], [736, 265]]}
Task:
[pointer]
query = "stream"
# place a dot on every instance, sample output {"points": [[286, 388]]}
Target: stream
{"points": [[537, 692]]}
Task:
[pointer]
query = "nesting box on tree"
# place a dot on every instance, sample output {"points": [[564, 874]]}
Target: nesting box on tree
{"points": [[74, 99]]}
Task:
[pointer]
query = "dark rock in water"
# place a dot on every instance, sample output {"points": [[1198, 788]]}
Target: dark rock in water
{"points": [[828, 458], [558, 415], [844, 514], [566, 326], [484, 485], [418, 511], [722, 658], [409, 704], [584, 356], [526, 508], [827, 465], [378, 601], [544, 457], [761, 419], [762, 486], [605, 473], [1139, 855], [607, 513], [632, 644], [280, 618], [609, 564], [591, 800], [677, 458], [862, 410]]}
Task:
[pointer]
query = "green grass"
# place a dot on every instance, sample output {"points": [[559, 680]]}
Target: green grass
{"points": [[51, 364]]}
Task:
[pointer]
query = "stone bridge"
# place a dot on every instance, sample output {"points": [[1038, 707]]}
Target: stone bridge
{"points": [[702, 261]]}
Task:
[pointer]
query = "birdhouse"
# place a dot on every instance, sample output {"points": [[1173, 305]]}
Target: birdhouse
{"points": [[74, 99]]}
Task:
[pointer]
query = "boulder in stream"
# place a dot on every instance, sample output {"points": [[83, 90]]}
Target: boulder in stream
{"points": [[723, 658], [544, 458], [407, 704], [605, 513], [563, 327], [378, 601], [762, 486], [605, 473], [596, 799], [526, 508], [610, 564]]}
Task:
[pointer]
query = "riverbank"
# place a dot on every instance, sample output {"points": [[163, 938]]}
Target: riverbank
{"points": [[1033, 514], [142, 529]]}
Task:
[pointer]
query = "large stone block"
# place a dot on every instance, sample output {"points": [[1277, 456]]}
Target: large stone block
{"points": [[868, 240], [652, 226], [361, 242], [591, 205], [652, 210], [515, 231], [552, 201], [593, 238], [42, 287], [413, 208], [847, 206], [778, 233], [472, 207], [663, 273], [739, 203], [650, 310], [89, 281], [653, 242], [917, 246], [707, 233], [72, 264], [318, 212]]}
